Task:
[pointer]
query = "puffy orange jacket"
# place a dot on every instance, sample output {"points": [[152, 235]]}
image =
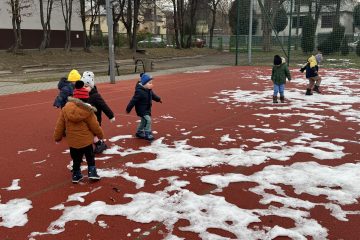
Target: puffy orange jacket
{"points": [[77, 121]]}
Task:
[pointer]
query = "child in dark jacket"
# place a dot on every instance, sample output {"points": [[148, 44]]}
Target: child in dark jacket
{"points": [[312, 73], [279, 74], [96, 100], [78, 122], [66, 88], [142, 100]]}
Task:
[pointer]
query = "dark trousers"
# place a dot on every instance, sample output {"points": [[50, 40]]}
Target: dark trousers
{"points": [[78, 153]]}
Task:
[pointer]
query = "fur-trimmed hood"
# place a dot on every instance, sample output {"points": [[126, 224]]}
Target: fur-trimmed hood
{"points": [[82, 103], [76, 110]]}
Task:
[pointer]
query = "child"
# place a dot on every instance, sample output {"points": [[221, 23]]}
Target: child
{"points": [[78, 122], [66, 88], [279, 74], [142, 100], [98, 102], [312, 74]]}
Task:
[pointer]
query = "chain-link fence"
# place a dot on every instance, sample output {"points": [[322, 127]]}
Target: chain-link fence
{"points": [[294, 29]]}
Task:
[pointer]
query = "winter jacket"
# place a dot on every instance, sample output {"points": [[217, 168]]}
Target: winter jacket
{"points": [[66, 89], [280, 73], [311, 67], [98, 102], [142, 100], [78, 123]]}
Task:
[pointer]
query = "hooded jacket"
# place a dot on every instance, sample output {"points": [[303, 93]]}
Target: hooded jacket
{"points": [[142, 100], [66, 89], [280, 73], [78, 123], [98, 102], [312, 67]]}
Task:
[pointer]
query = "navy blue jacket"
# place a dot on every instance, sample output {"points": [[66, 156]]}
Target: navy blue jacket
{"points": [[66, 89], [142, 100], [96, 100], [311, 72]]}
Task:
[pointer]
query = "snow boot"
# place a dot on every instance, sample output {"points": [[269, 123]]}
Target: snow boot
{"points": [[282, 99], [148, 136], [100, 146], [92, 174], [275, 99], [308, 92], [316, 89], [140, 134], [77, 176]]}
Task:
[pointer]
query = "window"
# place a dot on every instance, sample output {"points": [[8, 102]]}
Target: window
{"points": [[301, 22], [327, 21], [96, 29], [148, 14]]}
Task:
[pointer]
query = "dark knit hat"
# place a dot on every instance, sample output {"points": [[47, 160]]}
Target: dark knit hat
{"points": [[145, 78], [277, 60], [79, 91]]}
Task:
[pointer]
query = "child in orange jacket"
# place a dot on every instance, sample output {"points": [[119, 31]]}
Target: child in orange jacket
{"points": [[77, 121]]}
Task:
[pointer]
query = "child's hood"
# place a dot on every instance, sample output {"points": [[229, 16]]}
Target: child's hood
{"points": [[312, 61], [63, 82], [76, 110]]}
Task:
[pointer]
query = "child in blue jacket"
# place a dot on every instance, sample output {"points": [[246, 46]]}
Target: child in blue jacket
{"points": [[66, 88], [142, 100]]}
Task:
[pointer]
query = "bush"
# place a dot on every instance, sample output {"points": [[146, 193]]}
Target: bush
{"points": [[344, 47], [307, 39], [358, 49], [333, 42]]}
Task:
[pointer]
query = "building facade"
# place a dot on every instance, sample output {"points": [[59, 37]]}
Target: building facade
{"points": [[32, 30]]}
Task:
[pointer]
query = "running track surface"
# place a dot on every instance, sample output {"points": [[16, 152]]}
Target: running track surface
{"points": [[193, 108]]}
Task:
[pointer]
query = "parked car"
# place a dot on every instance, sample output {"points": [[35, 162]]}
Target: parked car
{"points": [[152, 42], [353, 45], [199, 43]]}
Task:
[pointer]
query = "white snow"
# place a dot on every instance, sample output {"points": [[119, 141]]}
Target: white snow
{"points": [[14, 185], [13, 213]]}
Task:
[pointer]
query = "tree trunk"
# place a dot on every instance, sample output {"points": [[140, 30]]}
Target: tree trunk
{"points": [[266, 26], [45, 23], [212, 27], [86, 41], [135, 27], [193, 7], [176, 27], [16, 24], [337, 14], [66, 6]]}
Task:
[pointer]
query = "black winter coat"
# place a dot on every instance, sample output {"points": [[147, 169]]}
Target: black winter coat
{"points": [[66, 89], [97, 101], [142, 100]]}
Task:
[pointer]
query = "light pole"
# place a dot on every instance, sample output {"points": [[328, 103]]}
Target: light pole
{"points": [[110, 40], [250, 31], [237, 30]]}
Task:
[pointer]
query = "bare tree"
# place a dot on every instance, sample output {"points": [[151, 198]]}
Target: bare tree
{"points": [[18, 10], [86, 43], [91, 17], [67, 8], [213, 7], [192, 6], [45, 22], [268, 18]]}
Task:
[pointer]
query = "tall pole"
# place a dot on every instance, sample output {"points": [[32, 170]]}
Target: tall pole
{"points": [[111, 40], [155, 17], [290, 25], [250, 31], [237, 30]]}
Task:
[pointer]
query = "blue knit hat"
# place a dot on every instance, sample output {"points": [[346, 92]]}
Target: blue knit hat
{"points": [[145, 78]]}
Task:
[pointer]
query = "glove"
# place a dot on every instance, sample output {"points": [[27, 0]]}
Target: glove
{"points": [[112, 120], [302, 69]]}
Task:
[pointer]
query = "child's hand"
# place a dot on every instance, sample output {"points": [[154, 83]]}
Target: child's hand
{"points": [[160, 101], [112, 120]]}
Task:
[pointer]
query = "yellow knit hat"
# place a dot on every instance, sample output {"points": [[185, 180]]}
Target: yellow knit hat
{"points": [[74, 76]]}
